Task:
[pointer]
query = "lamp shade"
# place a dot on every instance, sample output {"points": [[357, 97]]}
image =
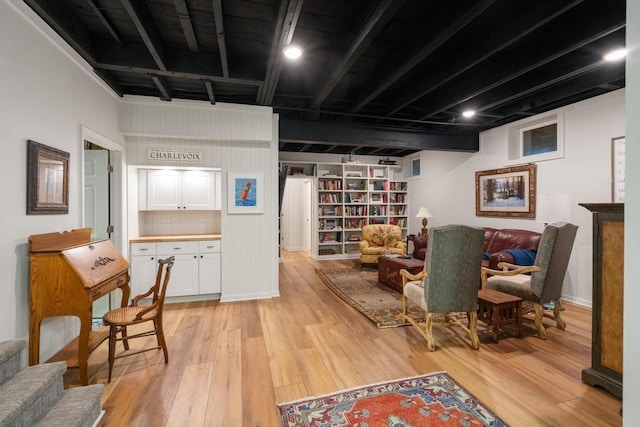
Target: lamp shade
{"points": [[424, 213]]}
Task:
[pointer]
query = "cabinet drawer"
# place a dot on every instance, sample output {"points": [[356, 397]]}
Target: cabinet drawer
{"points": [[176, 248], [143, 248], [207, 246]]}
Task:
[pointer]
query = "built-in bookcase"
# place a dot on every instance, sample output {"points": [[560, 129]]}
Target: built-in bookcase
{"points": [[349, 196]]}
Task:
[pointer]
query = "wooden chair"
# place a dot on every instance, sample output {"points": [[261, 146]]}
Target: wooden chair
{"points": [[542, 282], [119, 319], [449, 282]]}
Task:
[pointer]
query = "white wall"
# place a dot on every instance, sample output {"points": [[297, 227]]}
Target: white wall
{"points": [[631, 377], [250, 144], [447, 184], [48, 98]]}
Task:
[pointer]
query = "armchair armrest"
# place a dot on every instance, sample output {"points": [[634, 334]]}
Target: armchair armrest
{"points": [[148, 309], [407, 277], [364, 244]]}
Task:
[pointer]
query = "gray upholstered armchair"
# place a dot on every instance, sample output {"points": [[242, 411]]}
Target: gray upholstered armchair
{"points": [[449, 282], [544, 282]]}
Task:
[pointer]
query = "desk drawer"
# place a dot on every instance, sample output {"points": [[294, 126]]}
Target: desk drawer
{"points": [[208, 246], [177, 248], [143, 248]]}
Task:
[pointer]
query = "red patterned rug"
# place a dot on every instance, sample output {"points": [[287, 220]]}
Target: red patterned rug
{"points": [[434, 399]]}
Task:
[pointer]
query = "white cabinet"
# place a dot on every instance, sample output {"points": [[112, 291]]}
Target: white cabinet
{"points": [[144, 266], [209, 267], [196, 269], [184, 274], [170, 189]]}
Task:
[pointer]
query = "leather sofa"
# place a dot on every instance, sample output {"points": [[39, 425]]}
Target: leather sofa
{"points": [[496, 241]]}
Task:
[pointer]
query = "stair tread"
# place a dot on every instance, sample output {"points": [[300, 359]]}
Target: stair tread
{"points": [[77, 407], [27, 389], [9, 349]]}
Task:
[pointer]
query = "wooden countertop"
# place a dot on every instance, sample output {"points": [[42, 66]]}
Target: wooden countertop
{"points": [[175, 238]]}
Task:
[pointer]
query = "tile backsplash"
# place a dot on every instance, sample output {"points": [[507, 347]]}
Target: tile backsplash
{"points": [[153, 223]]}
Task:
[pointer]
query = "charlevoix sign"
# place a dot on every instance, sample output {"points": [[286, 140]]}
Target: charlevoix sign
{"points": [[155, 155]]}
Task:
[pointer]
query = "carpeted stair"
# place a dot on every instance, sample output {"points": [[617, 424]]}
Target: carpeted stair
{"points": [[35, 396]]}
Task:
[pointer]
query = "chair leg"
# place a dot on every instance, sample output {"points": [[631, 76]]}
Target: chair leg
{"points": [[161, 341], [541, 332], [473, 329], [112, 349], [557, 307], [428, 332], [125, 341]]}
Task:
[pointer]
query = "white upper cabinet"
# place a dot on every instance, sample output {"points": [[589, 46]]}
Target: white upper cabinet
{"points": [[169, 189]]}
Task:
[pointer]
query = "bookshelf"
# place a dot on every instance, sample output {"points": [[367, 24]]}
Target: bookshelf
{"points": [[349, 196]]}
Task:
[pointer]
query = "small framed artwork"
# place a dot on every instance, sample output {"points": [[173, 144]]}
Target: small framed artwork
{"points": [[509, 192], [245, 193], [617, 169], [415, 167], [47, 180]]}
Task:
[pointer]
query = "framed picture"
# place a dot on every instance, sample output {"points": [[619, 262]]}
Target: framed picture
{"points": [[415, 167], [507, 192], [47, 180], [245, 193], [617, 169]]}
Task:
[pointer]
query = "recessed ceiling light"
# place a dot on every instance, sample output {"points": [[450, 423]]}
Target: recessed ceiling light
{"points": [[292, 51], [615, 54], [469, 113]]}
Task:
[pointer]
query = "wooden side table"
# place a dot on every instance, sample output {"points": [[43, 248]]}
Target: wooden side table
{"points": [[497, 309], [389, 270]]}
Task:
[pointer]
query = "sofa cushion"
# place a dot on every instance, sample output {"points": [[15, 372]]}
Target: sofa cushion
{"points": [[509, 238]]}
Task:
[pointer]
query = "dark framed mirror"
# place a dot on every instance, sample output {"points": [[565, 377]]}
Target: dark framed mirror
{"points": [[47, 180]]}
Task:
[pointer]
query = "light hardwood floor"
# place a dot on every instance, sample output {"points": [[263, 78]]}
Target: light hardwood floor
{"points": [[229, 364]]}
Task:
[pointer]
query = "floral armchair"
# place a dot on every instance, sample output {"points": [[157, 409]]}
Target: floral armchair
{"points": [[380, 239]]}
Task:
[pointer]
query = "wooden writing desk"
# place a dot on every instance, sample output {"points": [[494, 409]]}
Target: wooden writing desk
{"points": [[67, 273]]}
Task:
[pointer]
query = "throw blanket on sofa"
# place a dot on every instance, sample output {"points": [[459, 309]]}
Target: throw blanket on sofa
{"points": [[522, 256]]}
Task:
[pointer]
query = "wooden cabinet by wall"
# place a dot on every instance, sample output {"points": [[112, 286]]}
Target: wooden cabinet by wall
{"points": [[608, 297], [170, 189]]}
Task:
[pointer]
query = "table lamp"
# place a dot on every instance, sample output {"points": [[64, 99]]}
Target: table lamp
{"points": [[424, 213]]}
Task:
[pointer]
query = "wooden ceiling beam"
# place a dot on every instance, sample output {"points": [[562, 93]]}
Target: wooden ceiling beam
{"points": [[187, 25], [222, 43], [105, 20], [287, 20], [161, 84], [393, 75], [513, 31], [142, 20], [370, 28], [210, 93], [511, 67]]}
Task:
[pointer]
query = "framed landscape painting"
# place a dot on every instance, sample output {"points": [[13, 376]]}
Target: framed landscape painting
{"points": [[245, 193], [507, 192]]}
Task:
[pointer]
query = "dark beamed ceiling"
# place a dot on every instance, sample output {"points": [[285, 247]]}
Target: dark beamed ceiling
{"points": [[386, 77]]}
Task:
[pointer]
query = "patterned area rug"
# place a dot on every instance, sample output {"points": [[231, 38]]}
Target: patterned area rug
{"points": [[361, 290], [435, 399]]}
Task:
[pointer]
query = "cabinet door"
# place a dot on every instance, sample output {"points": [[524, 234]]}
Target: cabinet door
{"points": [[143, 273], [164, 189], [209, 271], [184, 275], [198, 190]]}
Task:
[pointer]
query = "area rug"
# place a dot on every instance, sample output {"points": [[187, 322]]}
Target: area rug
{"points": [[434, 399], [361, 290]]}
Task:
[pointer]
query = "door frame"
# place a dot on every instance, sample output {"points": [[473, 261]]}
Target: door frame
{"points": [[117, 196]]}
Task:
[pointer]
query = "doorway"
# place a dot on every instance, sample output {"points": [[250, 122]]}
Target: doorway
{"points": [[296, 214], [102, 190]]}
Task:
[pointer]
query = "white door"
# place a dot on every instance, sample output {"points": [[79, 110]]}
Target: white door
{"points": [[96, 206], [198, 190], [96, 192], [296, 213]]}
